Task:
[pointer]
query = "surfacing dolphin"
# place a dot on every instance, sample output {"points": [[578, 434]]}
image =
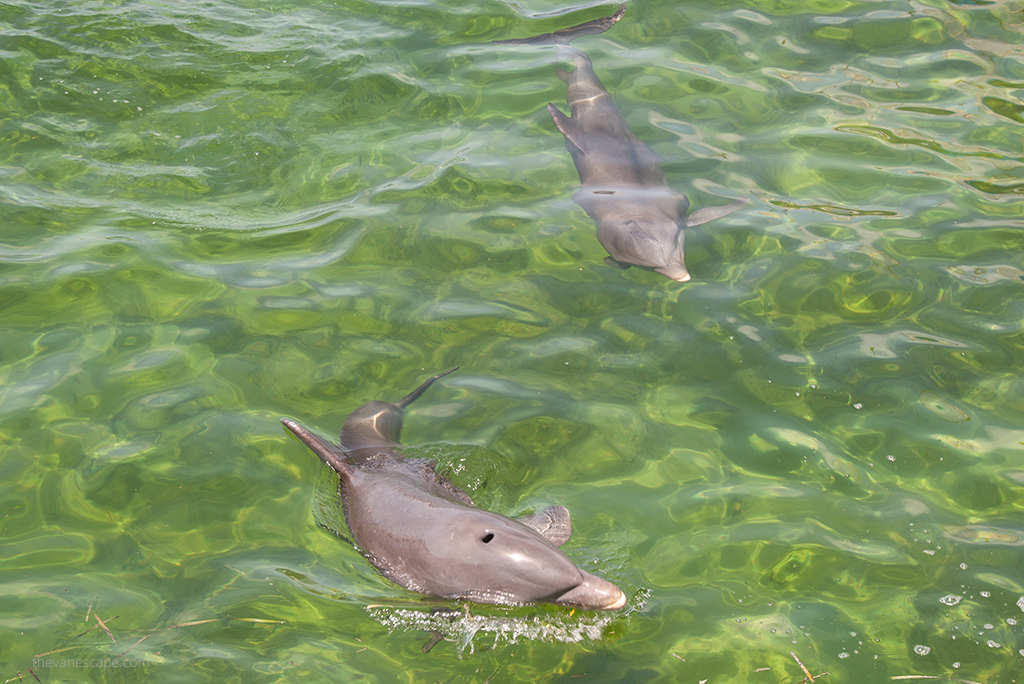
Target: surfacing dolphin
{"points": [[640, 220], [424, 533]]}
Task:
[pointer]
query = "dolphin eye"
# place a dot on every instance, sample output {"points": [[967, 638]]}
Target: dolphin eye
{"points": [[486, 539]]}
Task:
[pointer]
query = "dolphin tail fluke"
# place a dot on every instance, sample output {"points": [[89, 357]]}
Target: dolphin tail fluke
{"points": [[415, 394], [563, 36], [327, 453]]}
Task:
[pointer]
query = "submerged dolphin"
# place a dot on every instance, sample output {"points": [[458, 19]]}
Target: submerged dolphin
{"points": [[424, 533], [640, 220]]}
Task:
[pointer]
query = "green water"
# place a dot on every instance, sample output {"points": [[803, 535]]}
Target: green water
{"points": [[218, 213]]}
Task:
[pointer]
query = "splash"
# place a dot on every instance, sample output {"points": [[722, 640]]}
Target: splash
{"points": [[461, 626]]}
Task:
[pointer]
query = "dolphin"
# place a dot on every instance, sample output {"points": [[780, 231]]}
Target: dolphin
{"points": [[425, 534], [640, 220]]}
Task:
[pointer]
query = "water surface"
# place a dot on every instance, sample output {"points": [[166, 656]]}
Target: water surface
{"points": [[219, 213]]}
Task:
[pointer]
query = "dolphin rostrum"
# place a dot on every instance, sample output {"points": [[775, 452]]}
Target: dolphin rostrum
{"points": [[424, 533], [640, 220]]}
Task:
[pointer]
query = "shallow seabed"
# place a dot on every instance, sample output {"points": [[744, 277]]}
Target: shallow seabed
{"points": [[219, 213]]}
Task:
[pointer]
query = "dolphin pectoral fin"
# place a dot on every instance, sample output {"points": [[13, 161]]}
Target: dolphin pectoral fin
{"points": [[565, 125], [553, 523], [710, 213], [615, 263], [327, 453]]}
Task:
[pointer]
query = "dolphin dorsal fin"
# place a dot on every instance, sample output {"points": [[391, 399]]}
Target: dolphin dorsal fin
{"points": [[553, 523], [329, 454]]}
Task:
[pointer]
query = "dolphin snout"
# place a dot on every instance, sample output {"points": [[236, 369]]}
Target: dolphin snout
{"points": [[593, 594], [675, 272]]}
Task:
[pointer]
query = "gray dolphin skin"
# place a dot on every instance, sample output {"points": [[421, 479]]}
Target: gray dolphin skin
{"points": [[640, 220], [424, 533]]}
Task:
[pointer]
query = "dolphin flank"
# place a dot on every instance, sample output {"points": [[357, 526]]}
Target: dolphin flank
{"points": [[424, 533], [640, 220]]}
